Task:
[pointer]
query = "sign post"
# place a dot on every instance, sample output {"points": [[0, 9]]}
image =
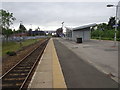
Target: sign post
{"points": [[118, 13]]}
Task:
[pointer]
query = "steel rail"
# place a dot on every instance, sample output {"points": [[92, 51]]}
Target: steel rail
{"points": [[44, 42], [32, 68], [19, 62]]}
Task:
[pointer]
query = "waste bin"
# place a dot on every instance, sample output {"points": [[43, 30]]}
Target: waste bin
{"points": [[79, 40]]}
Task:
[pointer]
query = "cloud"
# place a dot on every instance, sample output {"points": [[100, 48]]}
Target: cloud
{"points": [[51, 14], [61, 1]]}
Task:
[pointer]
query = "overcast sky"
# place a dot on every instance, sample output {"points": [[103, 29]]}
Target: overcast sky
{"points": [[49, 15]]}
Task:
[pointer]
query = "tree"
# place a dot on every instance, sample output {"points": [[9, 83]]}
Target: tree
{"points": [[93, 28], [7, 19], [7, 32], [30, 32], [97, 33], [118, 34], [59, 32], [38, 29], [102, 26], [111, 22], [22, 28], [106, 31]]}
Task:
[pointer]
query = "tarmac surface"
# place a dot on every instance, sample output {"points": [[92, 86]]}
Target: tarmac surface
{"points": [[77, 72], [66, 64], [99, 53]]}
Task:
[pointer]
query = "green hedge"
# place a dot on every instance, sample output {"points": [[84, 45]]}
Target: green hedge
{"points": [[105, 35]]}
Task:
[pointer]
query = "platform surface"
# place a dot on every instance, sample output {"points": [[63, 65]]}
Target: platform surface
{"points": [[100, 53], [64, 64], [78, 72], [48, 73]]}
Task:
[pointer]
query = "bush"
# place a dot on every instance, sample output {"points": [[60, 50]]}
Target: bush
{"points": [[118, 39], [11, 53]]}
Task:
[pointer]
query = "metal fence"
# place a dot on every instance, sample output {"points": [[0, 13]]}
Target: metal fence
{"points": [[17, 39]]}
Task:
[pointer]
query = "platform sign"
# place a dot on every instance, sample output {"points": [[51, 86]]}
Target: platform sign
{"points": [[118, 13], [115, 25]]}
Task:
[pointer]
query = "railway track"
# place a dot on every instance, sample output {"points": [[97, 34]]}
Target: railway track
{"points": [[18, 75]]}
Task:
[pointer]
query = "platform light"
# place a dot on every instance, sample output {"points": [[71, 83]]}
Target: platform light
{"points": [[115, 20]]}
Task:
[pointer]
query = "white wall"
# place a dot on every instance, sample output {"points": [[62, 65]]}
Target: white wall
{"points": [[85, 34]]}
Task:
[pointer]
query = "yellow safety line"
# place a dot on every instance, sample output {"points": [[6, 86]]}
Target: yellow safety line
{"points": [[58, 78]]}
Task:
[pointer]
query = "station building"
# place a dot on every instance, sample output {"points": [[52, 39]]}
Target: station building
{"points": [[79, 32]]}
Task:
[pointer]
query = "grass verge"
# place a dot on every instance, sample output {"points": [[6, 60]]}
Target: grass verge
{"points": [[103, 38], [15, 46]]}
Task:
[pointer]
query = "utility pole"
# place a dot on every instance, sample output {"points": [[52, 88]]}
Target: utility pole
{"points": [[21, 35], [31, 29], [62, 25], [116, 21]]}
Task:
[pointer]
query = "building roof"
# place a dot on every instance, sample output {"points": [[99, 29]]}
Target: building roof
{"points": [[68, 28], [83, 27]]}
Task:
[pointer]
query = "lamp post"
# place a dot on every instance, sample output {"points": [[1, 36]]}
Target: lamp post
{"points": [[21, 24], [31, 26], [21, 36], [62, 24], [31, 29], [62, 28], [115, 21]]}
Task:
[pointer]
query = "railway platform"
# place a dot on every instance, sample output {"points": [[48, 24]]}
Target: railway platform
{"points": [[62, 66], [77, 69], [48, 73]]}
